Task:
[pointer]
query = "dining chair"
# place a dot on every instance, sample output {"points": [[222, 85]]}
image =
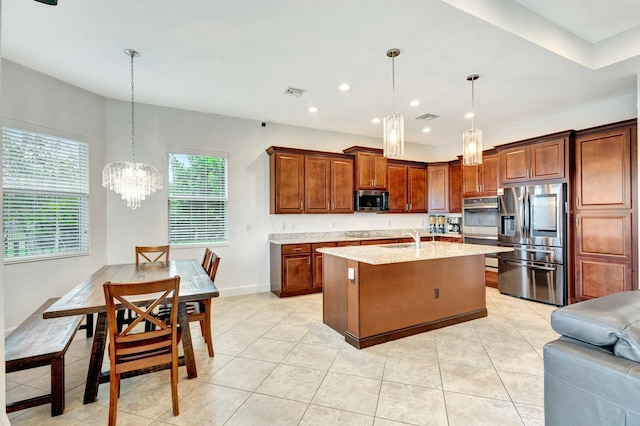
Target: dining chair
{"points": [[152, 253], [207, 258], [200, 310], [133, 348]]}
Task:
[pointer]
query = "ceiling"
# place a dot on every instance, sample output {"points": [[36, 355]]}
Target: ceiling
{"points": [[236, 58]]}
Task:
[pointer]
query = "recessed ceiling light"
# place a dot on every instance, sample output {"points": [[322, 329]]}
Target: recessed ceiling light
{"points": [[375, 120], [414, 102], [426, 130], [344, 87], [469, 115], [313, 109]]}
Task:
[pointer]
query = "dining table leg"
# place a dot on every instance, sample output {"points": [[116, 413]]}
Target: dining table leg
{"points": [[187, 344], [97, 356]]}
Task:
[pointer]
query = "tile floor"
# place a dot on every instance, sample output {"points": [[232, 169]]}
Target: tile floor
{"points": [[276, 363]]}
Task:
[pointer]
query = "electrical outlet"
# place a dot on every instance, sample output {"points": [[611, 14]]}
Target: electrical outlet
{"points": [[291, 225], [247, 227], [283, 226]]}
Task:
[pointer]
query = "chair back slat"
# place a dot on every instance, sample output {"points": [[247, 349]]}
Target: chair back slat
{"points": [[152, 253], [213, 266], [206, 259]]}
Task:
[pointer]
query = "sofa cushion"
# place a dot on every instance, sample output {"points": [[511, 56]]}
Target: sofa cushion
{"points": [[603, 322]]}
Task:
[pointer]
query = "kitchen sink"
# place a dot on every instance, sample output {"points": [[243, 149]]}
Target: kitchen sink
{"points": [[399, 246]]}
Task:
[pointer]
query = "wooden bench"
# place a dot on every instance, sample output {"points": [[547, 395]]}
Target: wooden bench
{"points": [[37, 342]]}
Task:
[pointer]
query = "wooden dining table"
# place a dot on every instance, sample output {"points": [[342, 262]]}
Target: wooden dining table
{"points": [[88, 298]]}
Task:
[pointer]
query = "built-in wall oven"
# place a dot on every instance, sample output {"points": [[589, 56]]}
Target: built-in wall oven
{"points": [[480, 218], [533, 222]]}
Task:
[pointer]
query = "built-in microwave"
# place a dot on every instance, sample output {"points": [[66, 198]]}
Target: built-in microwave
{"points": [[371, 201]]}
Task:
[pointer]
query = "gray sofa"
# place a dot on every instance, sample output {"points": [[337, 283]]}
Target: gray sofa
{"points": [[592, 372]]}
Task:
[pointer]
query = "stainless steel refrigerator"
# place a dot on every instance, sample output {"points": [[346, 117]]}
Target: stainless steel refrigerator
{"points": [[533, 220]]}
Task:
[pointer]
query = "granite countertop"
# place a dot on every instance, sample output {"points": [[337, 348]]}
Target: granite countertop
{"points": [[325, 237], [406, 252]]}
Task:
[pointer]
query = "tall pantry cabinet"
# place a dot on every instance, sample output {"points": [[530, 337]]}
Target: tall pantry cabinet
{"points": [[605, 210]]}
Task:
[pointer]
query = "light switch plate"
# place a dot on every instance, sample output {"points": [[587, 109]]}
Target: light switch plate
{"points": [[351, 273]]}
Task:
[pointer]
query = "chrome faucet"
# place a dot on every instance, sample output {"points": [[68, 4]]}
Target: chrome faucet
{"points": [[416, 237]]}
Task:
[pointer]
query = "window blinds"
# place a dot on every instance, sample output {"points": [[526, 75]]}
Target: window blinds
{"points": [[46, 195], [197, 199]]}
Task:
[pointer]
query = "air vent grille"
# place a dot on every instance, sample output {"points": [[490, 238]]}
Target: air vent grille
{"points": [[427, 117], [292, 91]]}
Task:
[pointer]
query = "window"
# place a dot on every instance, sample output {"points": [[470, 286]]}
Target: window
{"points": [[45, 180], [197, 199]]}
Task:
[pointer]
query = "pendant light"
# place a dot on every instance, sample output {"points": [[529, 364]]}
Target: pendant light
{"points": [[393, 141], [472, 139], [133, 181]]}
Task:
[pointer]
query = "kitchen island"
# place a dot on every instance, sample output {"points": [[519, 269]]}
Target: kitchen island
{"points": [[374, 294]]}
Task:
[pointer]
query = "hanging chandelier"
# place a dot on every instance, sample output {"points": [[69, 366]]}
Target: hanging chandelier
{"points": [[393, 141], [133, 181], [472, 139]]}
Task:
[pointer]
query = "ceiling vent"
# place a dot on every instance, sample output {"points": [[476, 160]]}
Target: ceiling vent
{"points": [[427, 117], [292, 91]]}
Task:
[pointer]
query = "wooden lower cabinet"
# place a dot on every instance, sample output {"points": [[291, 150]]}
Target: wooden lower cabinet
{"points": [[597, 277], [291, 270], [317, 263]]}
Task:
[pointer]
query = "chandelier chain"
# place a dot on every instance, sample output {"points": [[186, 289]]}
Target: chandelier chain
{"points": [[133, 126]]}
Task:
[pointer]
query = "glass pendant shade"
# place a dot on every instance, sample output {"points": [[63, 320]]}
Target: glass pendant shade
{"points": [[132, 181], [472, 147], [393, 136]]}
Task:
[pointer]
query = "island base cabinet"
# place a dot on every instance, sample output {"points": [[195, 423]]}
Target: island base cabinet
{"points": [[387, 302]]}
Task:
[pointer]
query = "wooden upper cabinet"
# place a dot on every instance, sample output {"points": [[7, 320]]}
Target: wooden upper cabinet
{"points": [[341, 185], [455, 188], [481, 180], [603, 170], [286, 183], [438, 188], [535, 161], [417, 189], [398, 196], [371, 171], [317, 184]]}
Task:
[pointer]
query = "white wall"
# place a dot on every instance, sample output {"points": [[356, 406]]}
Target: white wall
{"points": [[36, 102]]}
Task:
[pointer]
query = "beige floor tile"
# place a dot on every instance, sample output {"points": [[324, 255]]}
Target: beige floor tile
{"points": [[207, 404], [517, 362], [468, 410], [312, 356], [263, 410], [252, 328], [502, 341], [207, 366], [323, 416], [384, 422], [322, 334], [274, 315], [413, 348], [531, 415], [231, 343], [223, 323], [471, 353], [524, 388], [359, 363], [287, 332], [268, 350], [291, 382], [243, 373], [349, 393], [473, 381], [412, 371], [411, 404]]}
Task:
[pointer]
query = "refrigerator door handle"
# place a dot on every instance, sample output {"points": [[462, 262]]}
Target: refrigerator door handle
{"points": [[528, 265]]}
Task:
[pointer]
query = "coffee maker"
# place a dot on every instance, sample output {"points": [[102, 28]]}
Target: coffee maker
{"points": [[454, 224]]}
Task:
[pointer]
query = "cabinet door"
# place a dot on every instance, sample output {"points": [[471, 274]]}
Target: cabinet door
{"points": [[489, 175], [596, 277], [398, 197], [547, 160], [296, 272], [417, 189], [364, 165], [603, 170], [379, 172], [438, 188], [514, 164], [341, 185], [470, 184], [455, 188], [317, 184], [288, 183], [604, 235], [317, 263]]}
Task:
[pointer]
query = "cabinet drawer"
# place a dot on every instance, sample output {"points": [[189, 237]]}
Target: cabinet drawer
{"points": [[348, 243], [316, 246], [296, 248]]}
